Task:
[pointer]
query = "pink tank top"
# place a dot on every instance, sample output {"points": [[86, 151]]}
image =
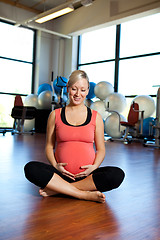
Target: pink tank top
{"points": [[74, 144]]}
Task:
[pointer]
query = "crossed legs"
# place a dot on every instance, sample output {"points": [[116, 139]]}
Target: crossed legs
{"points": [[52, 182], [84, 189]]}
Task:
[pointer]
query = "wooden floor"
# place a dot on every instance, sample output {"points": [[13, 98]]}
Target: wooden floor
{"points": [[132, 212]]}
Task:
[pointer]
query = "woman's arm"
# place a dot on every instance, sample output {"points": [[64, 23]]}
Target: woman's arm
{"points": [[99, 141], [50, 146], [100, 148], [50, 139]]}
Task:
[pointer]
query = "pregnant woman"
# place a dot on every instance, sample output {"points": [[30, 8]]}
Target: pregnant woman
{"points": [[72, 132]]}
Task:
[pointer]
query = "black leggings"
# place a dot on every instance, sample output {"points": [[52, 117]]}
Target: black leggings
{"points": [[105, 178]]}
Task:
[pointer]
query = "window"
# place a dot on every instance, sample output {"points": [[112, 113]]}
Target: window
{"points": [[16, 42], [98, 45], [140, 56], [100, 72], [126, 55], [16, 76], [97, 54], [17, 65], [141, 36], [139, 75]]}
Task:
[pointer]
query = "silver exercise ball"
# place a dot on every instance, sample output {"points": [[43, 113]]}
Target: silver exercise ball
{"points": [[103, 89]]}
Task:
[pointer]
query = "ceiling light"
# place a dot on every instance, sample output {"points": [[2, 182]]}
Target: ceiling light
{"points": [[56, 14], [86, 3]]}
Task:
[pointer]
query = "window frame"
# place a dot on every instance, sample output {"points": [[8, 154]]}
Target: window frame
{"points": [[33, 58], [33, 62], [116, 60]]}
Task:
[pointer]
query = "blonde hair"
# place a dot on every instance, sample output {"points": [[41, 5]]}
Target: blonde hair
{"points": [[77, 75]]}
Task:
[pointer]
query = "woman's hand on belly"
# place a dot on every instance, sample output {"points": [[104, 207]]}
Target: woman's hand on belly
{"points": [[60, 168], [86, 172]]}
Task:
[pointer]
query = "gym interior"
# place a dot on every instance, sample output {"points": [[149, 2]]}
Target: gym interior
{"points": [[117, 43]]}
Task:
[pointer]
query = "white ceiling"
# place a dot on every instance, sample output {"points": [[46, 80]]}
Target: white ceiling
{"points": [[39, 6]]}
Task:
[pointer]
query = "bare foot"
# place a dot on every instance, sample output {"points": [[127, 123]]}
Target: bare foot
{"points": [[46, 192], [95, 196]]}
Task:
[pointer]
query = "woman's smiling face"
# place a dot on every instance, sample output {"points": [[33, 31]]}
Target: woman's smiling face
{"points": [[78, 91]]}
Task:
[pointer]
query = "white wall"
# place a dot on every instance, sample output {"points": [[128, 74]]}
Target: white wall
{"points": [[46, 58], [54, 54], [70, 55]]}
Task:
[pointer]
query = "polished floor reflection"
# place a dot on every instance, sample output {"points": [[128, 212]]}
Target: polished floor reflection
{"points": [[132, 212]]}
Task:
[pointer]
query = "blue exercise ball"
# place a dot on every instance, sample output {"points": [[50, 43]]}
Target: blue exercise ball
{"points": [[91, 93], [60, 82], [146, 125], [44, 87]]}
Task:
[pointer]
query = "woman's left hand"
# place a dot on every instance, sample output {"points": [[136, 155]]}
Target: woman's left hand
{"points": [[86, 172]]}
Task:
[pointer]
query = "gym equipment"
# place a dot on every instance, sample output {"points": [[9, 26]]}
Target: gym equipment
{"points": [[18, 101], [31, 100], [29, 125], [59, 83], [44, 87], [156, 126], [55, 97], [131, 125], [146, 104], [45, 100], [132, 122], [117, 102], [103, 89], [112, 127], [147, 131], [41, 120], [91, 93], [60, 87], [99, 106], [3, 131], [20, 114], [88, 102]]}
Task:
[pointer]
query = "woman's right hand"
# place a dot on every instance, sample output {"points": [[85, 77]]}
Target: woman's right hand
{"points": [[60, 168]]}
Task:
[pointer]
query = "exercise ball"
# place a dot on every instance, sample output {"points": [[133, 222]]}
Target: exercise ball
{"points": [[111, 125], [103, 89], [29, 125], [146, 103], [147, 123], [116, 102], [58, 83], [91, 93], [88, 102], [44, 87], [99, 106], [45, 99], [31, 101]]}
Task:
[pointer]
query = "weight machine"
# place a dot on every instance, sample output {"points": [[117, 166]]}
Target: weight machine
{"points": [[156, 140], [61, 102], [132, 124]]}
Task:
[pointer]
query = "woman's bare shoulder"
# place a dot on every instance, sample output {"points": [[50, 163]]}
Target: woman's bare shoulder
{"points": [[52, 116], [99, 118]]}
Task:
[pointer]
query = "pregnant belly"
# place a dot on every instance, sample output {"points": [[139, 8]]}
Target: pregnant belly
{"points": [[75, 154]]}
